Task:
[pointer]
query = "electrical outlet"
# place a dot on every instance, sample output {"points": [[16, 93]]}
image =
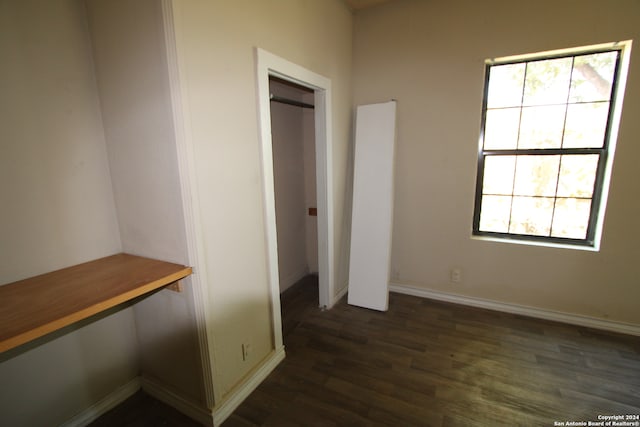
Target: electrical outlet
{"points": [[455, 275], [246, 350]]}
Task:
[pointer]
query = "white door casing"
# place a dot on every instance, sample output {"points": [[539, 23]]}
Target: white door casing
{"points": [[268, 64]]}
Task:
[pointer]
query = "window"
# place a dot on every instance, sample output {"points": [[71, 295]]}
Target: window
{"points": [[548, 130]]}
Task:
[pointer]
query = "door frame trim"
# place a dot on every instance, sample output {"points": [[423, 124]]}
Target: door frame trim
{"points": [[268, 64], [191, 206]]}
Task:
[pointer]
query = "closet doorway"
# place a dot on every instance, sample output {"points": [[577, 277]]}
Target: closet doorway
{"points": [[294, 178], [270, 66]]}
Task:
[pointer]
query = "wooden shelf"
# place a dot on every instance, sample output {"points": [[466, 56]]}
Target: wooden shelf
{"points": [[39, 305]]}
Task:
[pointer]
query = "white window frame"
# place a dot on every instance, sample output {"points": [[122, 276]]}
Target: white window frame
{"points": [[603, 178]]}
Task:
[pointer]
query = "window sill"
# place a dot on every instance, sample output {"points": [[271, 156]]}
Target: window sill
{"points": [[554, 245]]}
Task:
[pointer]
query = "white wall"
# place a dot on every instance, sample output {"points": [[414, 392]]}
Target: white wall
{"points": [[132, 76], [215, 44], [430, 56], [54, 176], [292, 174], [57, 210]]}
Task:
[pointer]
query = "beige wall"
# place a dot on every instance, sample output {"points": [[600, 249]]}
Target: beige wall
{"points": [[57, 209], [133, 83], [430, 57], [216, 41], [54, 175]]}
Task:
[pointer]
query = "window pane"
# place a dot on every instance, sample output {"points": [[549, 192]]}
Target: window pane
{"points": [[536, 175], [586, 125], [501, 129], [541, 127], [498, 174], [577, 175], [571, 218], [531, 215], [592, 77], [547, 82], [505, 85], [494, 213]]}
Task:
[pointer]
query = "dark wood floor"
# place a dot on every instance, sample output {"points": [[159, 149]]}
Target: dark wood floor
{"points": [[428, 363], [431, 363]]}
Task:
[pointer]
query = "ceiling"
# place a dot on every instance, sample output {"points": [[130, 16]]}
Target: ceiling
{"points": [[361, 4]]}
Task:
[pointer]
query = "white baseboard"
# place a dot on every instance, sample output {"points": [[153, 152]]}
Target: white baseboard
{"points": [[163, 393], [105, 404], [225, 409], [573, 319], [294, 278], [342, 292]]}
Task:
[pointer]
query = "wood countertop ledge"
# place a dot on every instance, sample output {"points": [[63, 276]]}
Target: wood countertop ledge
{"points": [[36, 306]]}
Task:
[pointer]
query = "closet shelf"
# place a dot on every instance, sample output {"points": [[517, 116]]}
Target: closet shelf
{"points": [[36, 306]]}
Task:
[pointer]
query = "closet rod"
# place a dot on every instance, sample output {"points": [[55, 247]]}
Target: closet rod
{"points": [[282, 100]]}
